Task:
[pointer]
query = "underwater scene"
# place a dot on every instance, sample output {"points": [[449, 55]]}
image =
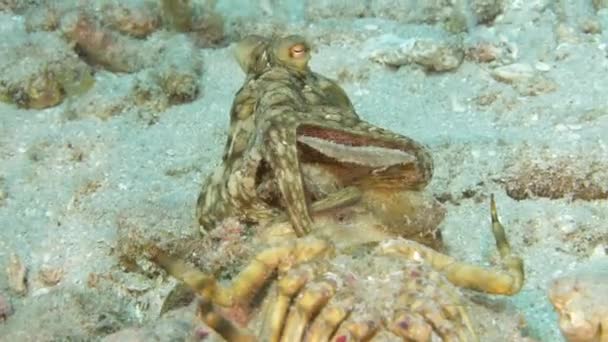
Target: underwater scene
{"points": [[304, 170]]}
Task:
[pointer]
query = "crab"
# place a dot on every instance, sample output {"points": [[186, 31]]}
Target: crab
{"points": [[346, 281], [294, 141], [581, 301]]}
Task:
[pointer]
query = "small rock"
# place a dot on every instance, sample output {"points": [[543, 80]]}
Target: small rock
{"points": [[432, 55], [484, 53], [486, 10], [566, 34], [5, 308], [535, 86], [567, 224], [17, 275], [512, 73], [540, 66], [599, 251], [580, 300], [600, 4], [525, 79], [590, 26], [3, 192], [437, 57], [50, 276], [457, 106]]}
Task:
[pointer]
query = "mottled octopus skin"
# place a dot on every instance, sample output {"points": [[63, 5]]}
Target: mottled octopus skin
{"points": [[276, 107]]}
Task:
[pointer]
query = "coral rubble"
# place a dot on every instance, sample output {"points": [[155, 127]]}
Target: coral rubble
{"points": [[17, 275], [38, 70], [119, 37], [429, 54], [556, 180], [581, 301]]}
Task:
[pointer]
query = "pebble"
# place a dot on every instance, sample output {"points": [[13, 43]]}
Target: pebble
{"points": [[540, 66], [432, 55], [16, 273], [512, 73], [567, 224], [5, 308], [599, 251]]}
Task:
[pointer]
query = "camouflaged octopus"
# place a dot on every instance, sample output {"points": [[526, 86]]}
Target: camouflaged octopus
{"points": [[286, 121], [299, 161]]}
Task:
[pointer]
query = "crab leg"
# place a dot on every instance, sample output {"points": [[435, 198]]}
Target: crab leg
{"points": [[357, 330], [251, 279], [207, 314], [305, 308], [288, 287], [508, 281], [411, 326], [433, 314], [328, 321], [427, 305]]}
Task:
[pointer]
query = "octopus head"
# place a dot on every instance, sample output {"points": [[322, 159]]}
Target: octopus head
{"points": [[252, 54], [292, 52]]}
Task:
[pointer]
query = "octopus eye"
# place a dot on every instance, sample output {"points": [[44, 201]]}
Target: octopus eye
{"points": [[297, 51]]}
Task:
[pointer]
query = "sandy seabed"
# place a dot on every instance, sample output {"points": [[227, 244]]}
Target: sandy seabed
{"points": [[523, 115]]}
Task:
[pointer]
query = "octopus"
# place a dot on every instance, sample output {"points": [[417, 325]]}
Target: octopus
{"points": [[347, 247], [297, 146], [581, 301]]}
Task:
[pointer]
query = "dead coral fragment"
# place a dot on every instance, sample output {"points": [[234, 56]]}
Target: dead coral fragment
{"points": [[483, 52], [173, 79], [178, 70], [177, 14], [39, 70], [39, 92], [206, 27], [432, 55], [179, 87], [487, 10], [17, 275], [50, 276], [138, 20], [45, 17], [524, 79], [600, 4], [557, 180], [15, 6], [5, 308], [513, 73], [3, 192], [100, 46], [581, 302]]}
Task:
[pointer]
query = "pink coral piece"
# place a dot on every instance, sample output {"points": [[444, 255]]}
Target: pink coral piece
{"points": [[581, 302], [5, 308]]}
